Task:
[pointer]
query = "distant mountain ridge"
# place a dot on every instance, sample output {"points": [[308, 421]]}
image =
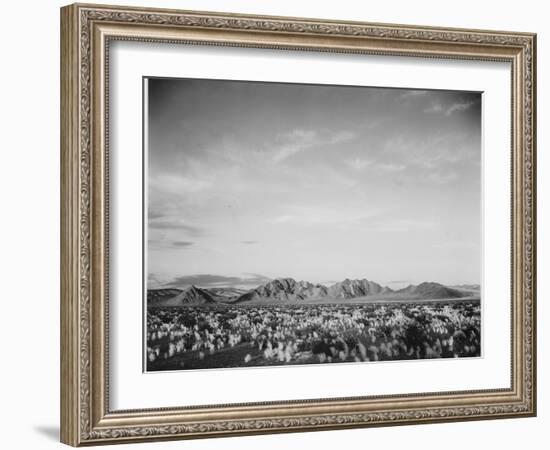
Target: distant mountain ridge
{"points": [[229, 293], [285, 289], [193, 295], [288, 290], [356, 288], [430, 290], [467, 287], [159, 295]]}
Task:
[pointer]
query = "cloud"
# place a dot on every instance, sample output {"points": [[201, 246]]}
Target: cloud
{"points": [[360, 164], [442, 178], [434, 108], [380, 220], [182, 243], [298, 140], [445, 156], [386, 167], [458, 107], [210, 280], [256, 276], [151, 214], [294, 142], [449, 110], [163, 244], [154, 281], [304, 216], [412, 93], [341, 136], [176, 224], [249, 242], [181, 183], [435, 151], [407, 225], [154, 243]]}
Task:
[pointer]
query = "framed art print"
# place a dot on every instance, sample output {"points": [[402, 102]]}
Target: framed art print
{"points": [[266, 211], [267, 221]]}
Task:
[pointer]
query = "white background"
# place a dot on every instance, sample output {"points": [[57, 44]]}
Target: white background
{"points": [[29, 235], [131, 389]]}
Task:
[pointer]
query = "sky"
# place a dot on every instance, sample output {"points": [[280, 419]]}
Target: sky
{"points": [[250, 181]]}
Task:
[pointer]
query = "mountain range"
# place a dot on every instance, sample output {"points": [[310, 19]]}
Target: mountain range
{"points": [[288, 290]]}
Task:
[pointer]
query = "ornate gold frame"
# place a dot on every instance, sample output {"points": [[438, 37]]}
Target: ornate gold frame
{"points": [[86, 31]]}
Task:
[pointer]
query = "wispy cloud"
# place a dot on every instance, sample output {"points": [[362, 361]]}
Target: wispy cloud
{"points": [[407, 225], [444, 157], [177, 224], [388, 167], [166, 244], [249, 242], [152, 214], [294, 142], [458, 107], [182, 244], [361, 164], [442, 178], [304, 216], [154, 281], [210, 280], [449, 110], [412, 94], [289, 144], [180, 183], [434, 152], [358, 163], [434, 108], [341, 136]]}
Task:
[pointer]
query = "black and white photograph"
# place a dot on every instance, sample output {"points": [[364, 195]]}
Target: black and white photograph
{"points": [[293, 224]]}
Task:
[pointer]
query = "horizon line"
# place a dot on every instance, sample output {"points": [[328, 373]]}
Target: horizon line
{"points": [[221, 284]]}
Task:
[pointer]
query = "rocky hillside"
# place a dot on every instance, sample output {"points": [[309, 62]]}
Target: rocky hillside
{"points": [[191, 296], [356, 288], [284, 289]]}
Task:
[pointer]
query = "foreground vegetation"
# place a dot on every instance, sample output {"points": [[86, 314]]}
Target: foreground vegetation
{"points": [[218, 336]]}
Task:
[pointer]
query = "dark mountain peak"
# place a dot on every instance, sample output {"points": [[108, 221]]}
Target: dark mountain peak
{"points": [[284, 289], [191, 295], [196, 294], [285, 280], [354, 288], [284, 283]]}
